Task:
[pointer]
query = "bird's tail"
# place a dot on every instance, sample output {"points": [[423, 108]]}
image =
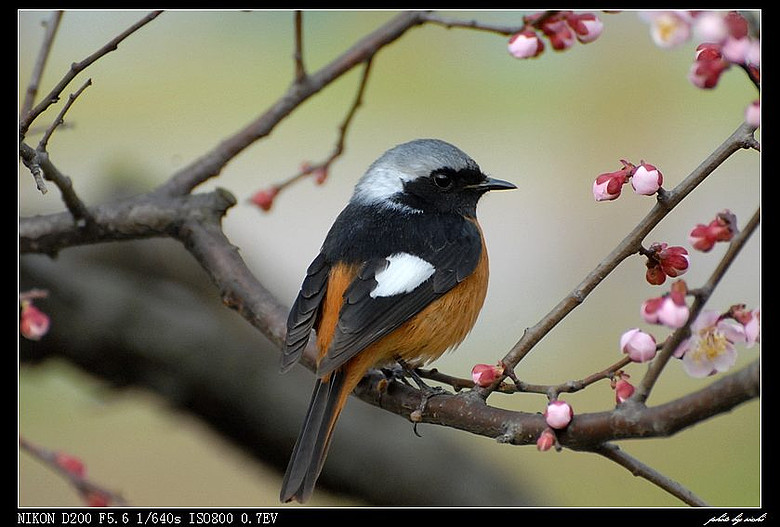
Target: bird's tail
{"points": [[310, 450]]}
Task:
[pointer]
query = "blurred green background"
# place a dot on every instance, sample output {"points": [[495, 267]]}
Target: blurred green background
{"points": [[187, 80]]}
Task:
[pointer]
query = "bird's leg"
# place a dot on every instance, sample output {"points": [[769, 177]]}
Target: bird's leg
{"points": [[426, 392]]}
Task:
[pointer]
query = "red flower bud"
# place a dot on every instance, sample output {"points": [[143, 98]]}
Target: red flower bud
{"points": [[265, 198], [546, 440], [70, 464], [33, 323], [484, 374], [623, 391]]}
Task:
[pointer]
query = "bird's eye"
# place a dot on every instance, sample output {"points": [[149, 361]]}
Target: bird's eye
{"points": [[443, 181]]}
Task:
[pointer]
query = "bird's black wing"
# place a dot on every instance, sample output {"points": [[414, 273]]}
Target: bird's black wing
{"points": [[304, 311], [364, 318]]}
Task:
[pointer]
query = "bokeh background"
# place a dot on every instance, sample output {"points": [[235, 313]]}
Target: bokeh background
{"points": [[177, 87]]}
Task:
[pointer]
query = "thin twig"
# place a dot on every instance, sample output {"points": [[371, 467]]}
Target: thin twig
{"points": [[76, 68], [61, 117], [38, 160], [436, 18], [637, 468], [211, 164], [85, 487], [523, 387], [40, 63], [324, 166], [300, 70]]}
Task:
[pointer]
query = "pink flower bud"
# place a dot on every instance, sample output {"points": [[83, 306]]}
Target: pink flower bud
{"points": [[33, 323], [558, 414], [484, 374], [608, 186], [638, 345], [674, 311], [646, 179], [753, 114], [669, 310], [736, 49], [587, 26], [751, 322], [546, 440], [525, 44], [623, 391], [650, 309], [711, 26], [265, 198]]}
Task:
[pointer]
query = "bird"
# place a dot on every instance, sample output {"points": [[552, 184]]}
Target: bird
{"points": [[400, 279]]}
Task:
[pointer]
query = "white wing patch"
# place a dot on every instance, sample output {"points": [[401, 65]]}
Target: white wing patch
{"points": [[404, 273]]}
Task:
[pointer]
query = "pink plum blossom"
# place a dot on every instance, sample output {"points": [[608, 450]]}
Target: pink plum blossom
{"points": [[710, 348]]}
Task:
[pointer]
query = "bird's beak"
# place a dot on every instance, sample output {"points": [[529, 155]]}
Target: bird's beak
{"points": [[496, 184]]}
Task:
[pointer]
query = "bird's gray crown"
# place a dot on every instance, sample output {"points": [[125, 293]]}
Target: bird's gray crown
{"points": [[406, 162]]}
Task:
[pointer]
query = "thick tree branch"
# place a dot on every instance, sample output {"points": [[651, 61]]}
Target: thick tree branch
{"points": [[470, 413]]}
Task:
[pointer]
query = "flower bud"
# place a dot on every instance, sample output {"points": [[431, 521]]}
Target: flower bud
{"points": [[33, 323], [623, 391], [711, 26], [587, 26], [561, 37], [546, 440], [558, 414], [484, 374], [649, 309], [674, 260], [705, 74], [646, 179], [265, 198], [669, 310], [753, 114], [608, 186], [96, 498], [736, 50], [638, 345], [654, 275], [721, 229], [525, 44], [737, 25], [673, 312], [70, 464]]}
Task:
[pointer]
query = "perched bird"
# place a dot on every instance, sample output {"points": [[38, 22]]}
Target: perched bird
{"points": [[401, 277]]}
